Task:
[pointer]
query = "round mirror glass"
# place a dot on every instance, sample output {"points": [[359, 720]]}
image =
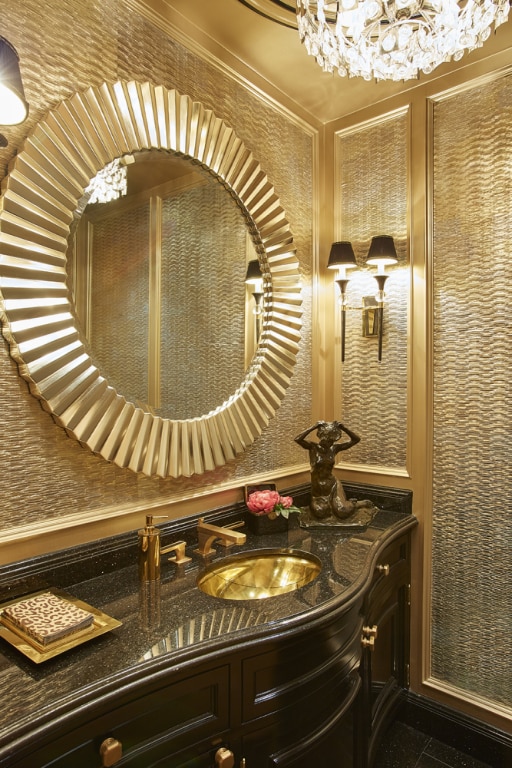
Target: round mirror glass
{"points": [[157, 266]]}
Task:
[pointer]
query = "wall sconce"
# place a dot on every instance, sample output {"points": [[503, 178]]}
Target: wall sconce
{"points": [[382, 253], [13, 107], [255, 278], [342, 257]]}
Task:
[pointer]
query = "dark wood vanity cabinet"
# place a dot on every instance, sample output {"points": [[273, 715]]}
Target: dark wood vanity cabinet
{"points": [[319, 687], [384, 665]]}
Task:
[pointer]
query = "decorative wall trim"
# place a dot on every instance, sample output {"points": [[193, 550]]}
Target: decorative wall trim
{"points": [[473, 701], [83, 527], [233, 71], [377, 469]]}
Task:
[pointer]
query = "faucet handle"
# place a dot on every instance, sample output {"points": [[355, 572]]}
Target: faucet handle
{"points": [[226, 542], [179, 548]]}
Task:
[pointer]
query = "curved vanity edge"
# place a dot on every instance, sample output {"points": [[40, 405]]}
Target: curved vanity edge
{"points": [[84, 692]]}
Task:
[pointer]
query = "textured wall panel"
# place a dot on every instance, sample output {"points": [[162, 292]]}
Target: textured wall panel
{"points": [[203, 301], [472, 535], [65, 47], [119, 301], [372, 194]]}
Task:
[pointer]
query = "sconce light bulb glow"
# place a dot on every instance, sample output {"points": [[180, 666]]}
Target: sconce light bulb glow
{"points": [[13, 110], [381, 265]]}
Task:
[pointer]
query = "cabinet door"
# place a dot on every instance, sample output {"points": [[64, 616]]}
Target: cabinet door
{"points": [[385, 658], [175, 725], [324, 737]]}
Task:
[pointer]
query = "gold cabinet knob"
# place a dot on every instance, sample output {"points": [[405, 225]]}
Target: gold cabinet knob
{"points": [[370, 631], [368, 642], [224, 758], [383, 569], [111, 751]]}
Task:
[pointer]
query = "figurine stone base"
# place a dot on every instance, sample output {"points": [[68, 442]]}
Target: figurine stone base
{"points": [[358, 520]]}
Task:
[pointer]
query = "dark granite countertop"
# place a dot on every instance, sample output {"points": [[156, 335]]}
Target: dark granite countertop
{"points": [[171, 622]]}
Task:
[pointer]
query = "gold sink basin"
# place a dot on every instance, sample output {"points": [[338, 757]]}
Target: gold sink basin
{"points": [[259, 574]]}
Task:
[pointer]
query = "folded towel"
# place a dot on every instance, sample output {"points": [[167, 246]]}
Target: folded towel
{"points": [[47, 618]]}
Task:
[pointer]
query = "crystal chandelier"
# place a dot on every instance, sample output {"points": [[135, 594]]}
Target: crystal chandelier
{"points": [[108, 184], [394, 39]]}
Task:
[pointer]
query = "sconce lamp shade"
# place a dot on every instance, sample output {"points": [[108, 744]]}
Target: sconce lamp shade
{"points": [[382, 251], [13, 107], [341, 255], [253, 272]]}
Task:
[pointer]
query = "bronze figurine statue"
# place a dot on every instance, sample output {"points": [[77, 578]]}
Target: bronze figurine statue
{"points": [[327, 495]]}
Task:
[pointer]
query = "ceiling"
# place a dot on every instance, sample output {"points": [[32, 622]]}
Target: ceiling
{"points": [[258, 38]]}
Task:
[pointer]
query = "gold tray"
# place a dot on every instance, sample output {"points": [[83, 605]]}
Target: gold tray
{"points": [[37, 652]]}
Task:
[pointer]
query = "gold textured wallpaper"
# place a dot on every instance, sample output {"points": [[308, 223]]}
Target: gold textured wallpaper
{"points": [[119, 307], [472, 328], [372, 200], [65, 47]]}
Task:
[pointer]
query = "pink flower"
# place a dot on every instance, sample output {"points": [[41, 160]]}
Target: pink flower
{"points": [[270, 503], [263, 502]]}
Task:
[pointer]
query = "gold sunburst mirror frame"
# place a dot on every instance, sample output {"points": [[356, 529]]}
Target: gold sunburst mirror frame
{"points": [[40, 196]]}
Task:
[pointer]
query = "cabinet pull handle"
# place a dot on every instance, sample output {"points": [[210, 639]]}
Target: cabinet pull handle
{"points": [[224, 758], [384, 569], [111, 751]]}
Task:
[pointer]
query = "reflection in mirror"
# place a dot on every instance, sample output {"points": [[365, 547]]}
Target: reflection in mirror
{"points": [[158, 279], [39, 207]]}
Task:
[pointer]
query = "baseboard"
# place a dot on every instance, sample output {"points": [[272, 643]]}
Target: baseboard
{"points": [[456, 729]]}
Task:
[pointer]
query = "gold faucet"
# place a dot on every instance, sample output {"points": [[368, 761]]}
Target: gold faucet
{"points": [[179, 548], [150, 551], [208, 533]]}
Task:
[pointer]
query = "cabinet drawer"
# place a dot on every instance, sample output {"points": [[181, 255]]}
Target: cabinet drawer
{"points": [[150, 728]]}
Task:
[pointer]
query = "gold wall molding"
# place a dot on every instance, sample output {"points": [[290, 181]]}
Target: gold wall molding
{"points": [[372, 191], [50, 535], [421, 102], [470, 603], [207, 49], [487, 709]]}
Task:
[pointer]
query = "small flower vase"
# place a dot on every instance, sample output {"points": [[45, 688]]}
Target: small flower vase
{"points": [[262, 524]]}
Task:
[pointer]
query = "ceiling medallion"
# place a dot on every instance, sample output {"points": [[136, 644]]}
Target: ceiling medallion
{"points": [[282, 11], [394, 39]]}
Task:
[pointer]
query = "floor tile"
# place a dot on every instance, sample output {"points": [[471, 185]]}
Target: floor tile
{"points": [[452, 757], [426, 761], [401, 747], [405, 747]]}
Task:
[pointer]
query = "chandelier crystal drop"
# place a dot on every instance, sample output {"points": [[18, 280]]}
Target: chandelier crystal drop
{"points": [[394, 39], [108, 184]]}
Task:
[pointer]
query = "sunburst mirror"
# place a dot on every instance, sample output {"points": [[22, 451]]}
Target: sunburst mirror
{"points": [[39, 205]]}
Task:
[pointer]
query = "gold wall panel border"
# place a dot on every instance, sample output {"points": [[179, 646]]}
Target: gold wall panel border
{"points": [[45, 182], [372, 195]]}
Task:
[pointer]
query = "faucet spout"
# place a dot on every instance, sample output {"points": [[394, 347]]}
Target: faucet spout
{"points": [[208, 533]]}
